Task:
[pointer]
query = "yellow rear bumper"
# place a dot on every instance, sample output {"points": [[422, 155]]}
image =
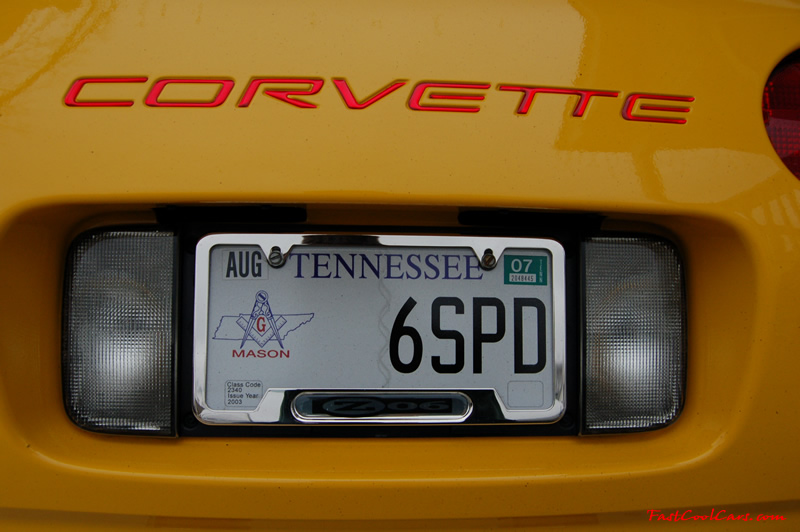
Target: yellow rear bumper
{"points": [[713, 185]]}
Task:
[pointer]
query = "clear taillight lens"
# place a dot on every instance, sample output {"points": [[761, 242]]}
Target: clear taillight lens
{"points": [[634, 337], [118, 354], [781, 110]]}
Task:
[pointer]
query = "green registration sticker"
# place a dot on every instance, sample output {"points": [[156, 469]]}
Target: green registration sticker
{"points": [[520, 269]]}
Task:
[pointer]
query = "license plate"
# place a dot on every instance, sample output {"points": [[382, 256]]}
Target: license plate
{"points": [[306, 329]]}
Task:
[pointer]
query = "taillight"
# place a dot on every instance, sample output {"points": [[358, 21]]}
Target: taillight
{"points": [[634, 334], [118, 356], [781, 108]]}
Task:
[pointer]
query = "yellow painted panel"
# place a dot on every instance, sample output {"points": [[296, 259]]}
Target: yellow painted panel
{"points": [[714, 184]]}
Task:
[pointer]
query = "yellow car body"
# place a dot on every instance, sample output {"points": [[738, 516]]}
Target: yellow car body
{"points": [[708, 179]]}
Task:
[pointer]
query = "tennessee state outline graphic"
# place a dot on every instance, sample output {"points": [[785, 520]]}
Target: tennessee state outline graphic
{"points": [[261, 325]]}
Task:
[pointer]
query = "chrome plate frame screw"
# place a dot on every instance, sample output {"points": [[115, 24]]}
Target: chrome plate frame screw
{"points": [[276, 259], [488, 261]]}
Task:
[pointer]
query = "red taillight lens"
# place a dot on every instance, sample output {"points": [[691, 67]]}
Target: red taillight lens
{"points": [[781, 108]]}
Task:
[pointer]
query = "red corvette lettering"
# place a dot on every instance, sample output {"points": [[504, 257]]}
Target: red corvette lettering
{"points": [[419, 91], [350, 100], [71, 98], [630, 103], [226, 86], [285, 95], [420, 99], [530, 92]]}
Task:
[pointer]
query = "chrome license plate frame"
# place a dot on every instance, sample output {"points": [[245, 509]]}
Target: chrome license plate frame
{"points": [[234, 342]]}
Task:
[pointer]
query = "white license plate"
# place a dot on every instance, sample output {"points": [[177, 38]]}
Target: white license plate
{"points": [[389, 329]]}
